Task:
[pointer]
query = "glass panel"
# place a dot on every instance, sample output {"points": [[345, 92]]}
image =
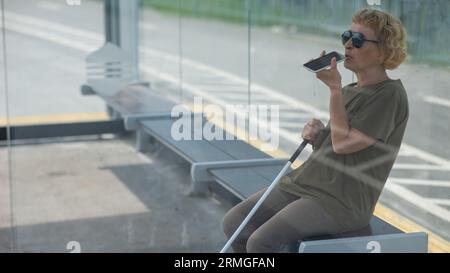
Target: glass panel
{"points": [[419, 181], [215, 62], [48, 42], [160, 47], [46, 47], [286, 34], [179, 57], [6, 242]]}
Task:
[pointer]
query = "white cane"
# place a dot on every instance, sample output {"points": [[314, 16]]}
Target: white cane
{"points": [[266, 193]]}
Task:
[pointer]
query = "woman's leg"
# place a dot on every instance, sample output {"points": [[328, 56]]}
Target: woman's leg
{"points": [[300, 219], [276, 201]]}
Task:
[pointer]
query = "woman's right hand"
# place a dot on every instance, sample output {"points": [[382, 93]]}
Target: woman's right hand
{"points": [[312, 130]]}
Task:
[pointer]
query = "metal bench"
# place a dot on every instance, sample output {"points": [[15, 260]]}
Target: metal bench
{"points": [[206, 155], [110, 76]]}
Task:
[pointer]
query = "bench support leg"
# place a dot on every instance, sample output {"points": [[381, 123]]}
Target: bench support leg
{"points": [[142, 139], [113, 114], [199, 188]]}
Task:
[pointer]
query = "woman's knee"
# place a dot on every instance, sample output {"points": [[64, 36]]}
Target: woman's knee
{"points": [[258, 243]]}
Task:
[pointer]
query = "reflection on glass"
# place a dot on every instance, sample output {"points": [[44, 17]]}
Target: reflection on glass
{"points": [[285, 34]]}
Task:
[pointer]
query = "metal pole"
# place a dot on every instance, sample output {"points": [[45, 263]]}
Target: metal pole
{"points": [[121, 29]]}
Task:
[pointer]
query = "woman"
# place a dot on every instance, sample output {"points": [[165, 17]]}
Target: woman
{"points": [[337, 188]]}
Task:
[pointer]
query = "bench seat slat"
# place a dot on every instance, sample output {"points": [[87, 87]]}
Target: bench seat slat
{"points": [[239, 149], [246, 180], [243, 181], [132, 99], [191, 150]]}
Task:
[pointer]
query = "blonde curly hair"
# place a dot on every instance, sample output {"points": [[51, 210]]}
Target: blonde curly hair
{"points": [[390, 33]]}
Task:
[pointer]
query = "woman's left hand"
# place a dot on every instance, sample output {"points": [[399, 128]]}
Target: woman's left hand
{"points": [[331, 77]]}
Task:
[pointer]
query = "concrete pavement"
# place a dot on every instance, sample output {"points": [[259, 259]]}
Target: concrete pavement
{"points": [[110, 199]]}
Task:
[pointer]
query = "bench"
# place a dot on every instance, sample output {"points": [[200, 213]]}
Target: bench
{"points": [[233, 168], [206, 155], [110, 77]]}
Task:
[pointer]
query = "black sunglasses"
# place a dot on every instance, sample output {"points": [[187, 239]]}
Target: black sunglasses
{"points": [[358, 38]]}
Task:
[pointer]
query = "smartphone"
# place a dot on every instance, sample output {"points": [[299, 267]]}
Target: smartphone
{"points": [[323, 62]]}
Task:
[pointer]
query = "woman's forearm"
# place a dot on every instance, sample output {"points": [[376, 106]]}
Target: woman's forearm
{"points": [[338, 119]]}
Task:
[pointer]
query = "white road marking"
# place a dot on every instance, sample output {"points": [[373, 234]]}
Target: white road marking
{"points": [[426, 156], [294, 115], [147, 26], [244, 99], [292, 124], [439, 201], [207, 96], [235, 79], [297, 104], [437, 100], [405, 152], [42, 34], [420, 182], [418, 201], [221, 89], [88, 41], [242, 94], [403, 166], [33, 22], [49, 5]]}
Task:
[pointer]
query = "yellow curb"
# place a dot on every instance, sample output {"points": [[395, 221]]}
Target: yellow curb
{"points": [[436, 244], [46, 119]]}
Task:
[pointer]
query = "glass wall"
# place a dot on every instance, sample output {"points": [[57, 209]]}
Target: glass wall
{"points": [[5, 193], [239, 62], [255, 50], [45, 46]]}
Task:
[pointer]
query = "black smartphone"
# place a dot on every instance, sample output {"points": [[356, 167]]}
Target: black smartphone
{"points": [[323, 62]]}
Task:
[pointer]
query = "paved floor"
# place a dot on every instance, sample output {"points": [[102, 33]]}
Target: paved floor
{"points": [[106, 196]]}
